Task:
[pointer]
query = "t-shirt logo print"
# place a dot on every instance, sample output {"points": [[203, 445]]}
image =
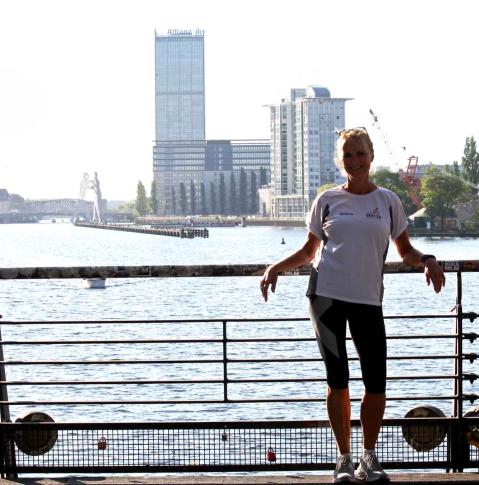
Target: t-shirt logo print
{"points": [[374, 213]]}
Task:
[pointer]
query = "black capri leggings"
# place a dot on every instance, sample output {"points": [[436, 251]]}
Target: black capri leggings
{"points": [[366, 324]]}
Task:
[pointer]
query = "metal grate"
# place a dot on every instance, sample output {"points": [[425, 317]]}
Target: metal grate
{"points": [[234, 446]]}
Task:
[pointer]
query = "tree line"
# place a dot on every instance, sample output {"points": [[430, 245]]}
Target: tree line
{"points": [[193, 200]]}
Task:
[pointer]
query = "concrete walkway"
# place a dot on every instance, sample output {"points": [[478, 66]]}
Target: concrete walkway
{"points": [[396, 478]]}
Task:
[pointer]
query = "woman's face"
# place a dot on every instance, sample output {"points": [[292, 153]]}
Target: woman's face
{"points": [[356, 158]]}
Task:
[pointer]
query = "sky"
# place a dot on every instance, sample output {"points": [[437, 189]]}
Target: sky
{"points": [[77, 79]]}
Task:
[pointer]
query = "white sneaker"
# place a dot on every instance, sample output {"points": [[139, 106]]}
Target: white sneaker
{"points": [[344, 471], [369, 469]]}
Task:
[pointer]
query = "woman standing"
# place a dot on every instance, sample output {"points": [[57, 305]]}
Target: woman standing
{"points": [[351, 225]]}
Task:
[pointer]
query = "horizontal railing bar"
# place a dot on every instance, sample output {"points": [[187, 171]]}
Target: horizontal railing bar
{"points": [[205, 361], [103, 383], [212, 401], [123, 341], [421, 336], [150, 321], [110, 362], [203, 321], [229, 468], [201, 341], [312, 359], [227, 425], [312, 339], [213, 381], [189, 271]]}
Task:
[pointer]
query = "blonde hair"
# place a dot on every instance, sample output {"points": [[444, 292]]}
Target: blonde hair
{"points": [[359, 134]]}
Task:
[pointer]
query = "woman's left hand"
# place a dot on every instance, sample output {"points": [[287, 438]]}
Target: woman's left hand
{"points": [[434, 273]]}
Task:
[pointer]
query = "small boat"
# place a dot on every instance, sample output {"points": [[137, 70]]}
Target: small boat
{"points": [[93, 283]]}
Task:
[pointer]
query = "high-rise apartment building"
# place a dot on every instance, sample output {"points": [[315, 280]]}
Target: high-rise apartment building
{"points": [[192, 174], [180, 86], [303, 136], [283, 133]]}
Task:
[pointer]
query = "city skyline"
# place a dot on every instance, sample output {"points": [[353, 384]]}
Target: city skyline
{"points": [[76, 80]]}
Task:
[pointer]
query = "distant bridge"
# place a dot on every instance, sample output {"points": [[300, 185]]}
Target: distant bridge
{"points": [[68, 207], [59, 207]]}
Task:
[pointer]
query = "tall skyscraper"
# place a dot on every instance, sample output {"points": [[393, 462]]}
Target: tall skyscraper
{"points": [[191, 172], [180, 86]]}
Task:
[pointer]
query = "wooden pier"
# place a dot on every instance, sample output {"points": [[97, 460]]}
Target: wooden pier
{"points": [[181, 232]]}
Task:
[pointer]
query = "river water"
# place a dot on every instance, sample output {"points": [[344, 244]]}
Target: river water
{"points": [[62, 244]]}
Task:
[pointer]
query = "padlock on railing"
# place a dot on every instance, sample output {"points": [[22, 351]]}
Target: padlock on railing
{"points": [[271, 455], [102, 444]]}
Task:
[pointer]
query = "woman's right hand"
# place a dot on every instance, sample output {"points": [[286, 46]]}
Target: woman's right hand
{"points": [[303, 255], [270, 277]]}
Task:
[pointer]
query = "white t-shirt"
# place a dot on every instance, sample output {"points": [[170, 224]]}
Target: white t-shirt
{"points": [[354, 230]]}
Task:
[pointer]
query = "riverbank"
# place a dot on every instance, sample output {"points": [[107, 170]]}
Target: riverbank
{"points": [[244, 221], [218, 221]]}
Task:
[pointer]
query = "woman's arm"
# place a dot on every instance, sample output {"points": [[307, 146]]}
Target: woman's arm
{"points": [[412, 257], [302, 256]]}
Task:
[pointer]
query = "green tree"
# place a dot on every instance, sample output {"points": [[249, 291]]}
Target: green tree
{"points": [[213, 197], [440, 192], [453, 169], [203, 199], [183, 198], [233, 195], [470, 161], [173, 201], [475, 217], [254, 193], [222, 194], [243, 200], [193, 197], [153, 199], [141, 202], [127, 207], [456, 169], [263, 180], [391, 180]]}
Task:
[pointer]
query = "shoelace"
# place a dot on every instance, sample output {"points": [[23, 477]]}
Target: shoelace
{"points": [[371, 460], [343, 461]]}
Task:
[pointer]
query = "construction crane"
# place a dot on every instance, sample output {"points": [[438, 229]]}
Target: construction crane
{"points": [[409, 177]]}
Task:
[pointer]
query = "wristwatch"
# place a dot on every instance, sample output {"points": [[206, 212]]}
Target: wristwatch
{"points": [[425, 257]]}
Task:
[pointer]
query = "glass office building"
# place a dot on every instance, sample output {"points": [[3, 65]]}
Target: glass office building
{"points": [[180, 86], [197, 163]]}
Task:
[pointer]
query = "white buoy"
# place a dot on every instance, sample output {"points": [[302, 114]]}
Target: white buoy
{"points": [[93, 283]]}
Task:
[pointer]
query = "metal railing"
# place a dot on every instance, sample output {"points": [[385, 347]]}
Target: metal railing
{"points": [[440, 442], [223, 355]]}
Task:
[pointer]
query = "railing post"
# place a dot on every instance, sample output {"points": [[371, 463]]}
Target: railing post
{"points": [[225, 362], [458, 441], [7, 446], [4, 409], [458, 388]]}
